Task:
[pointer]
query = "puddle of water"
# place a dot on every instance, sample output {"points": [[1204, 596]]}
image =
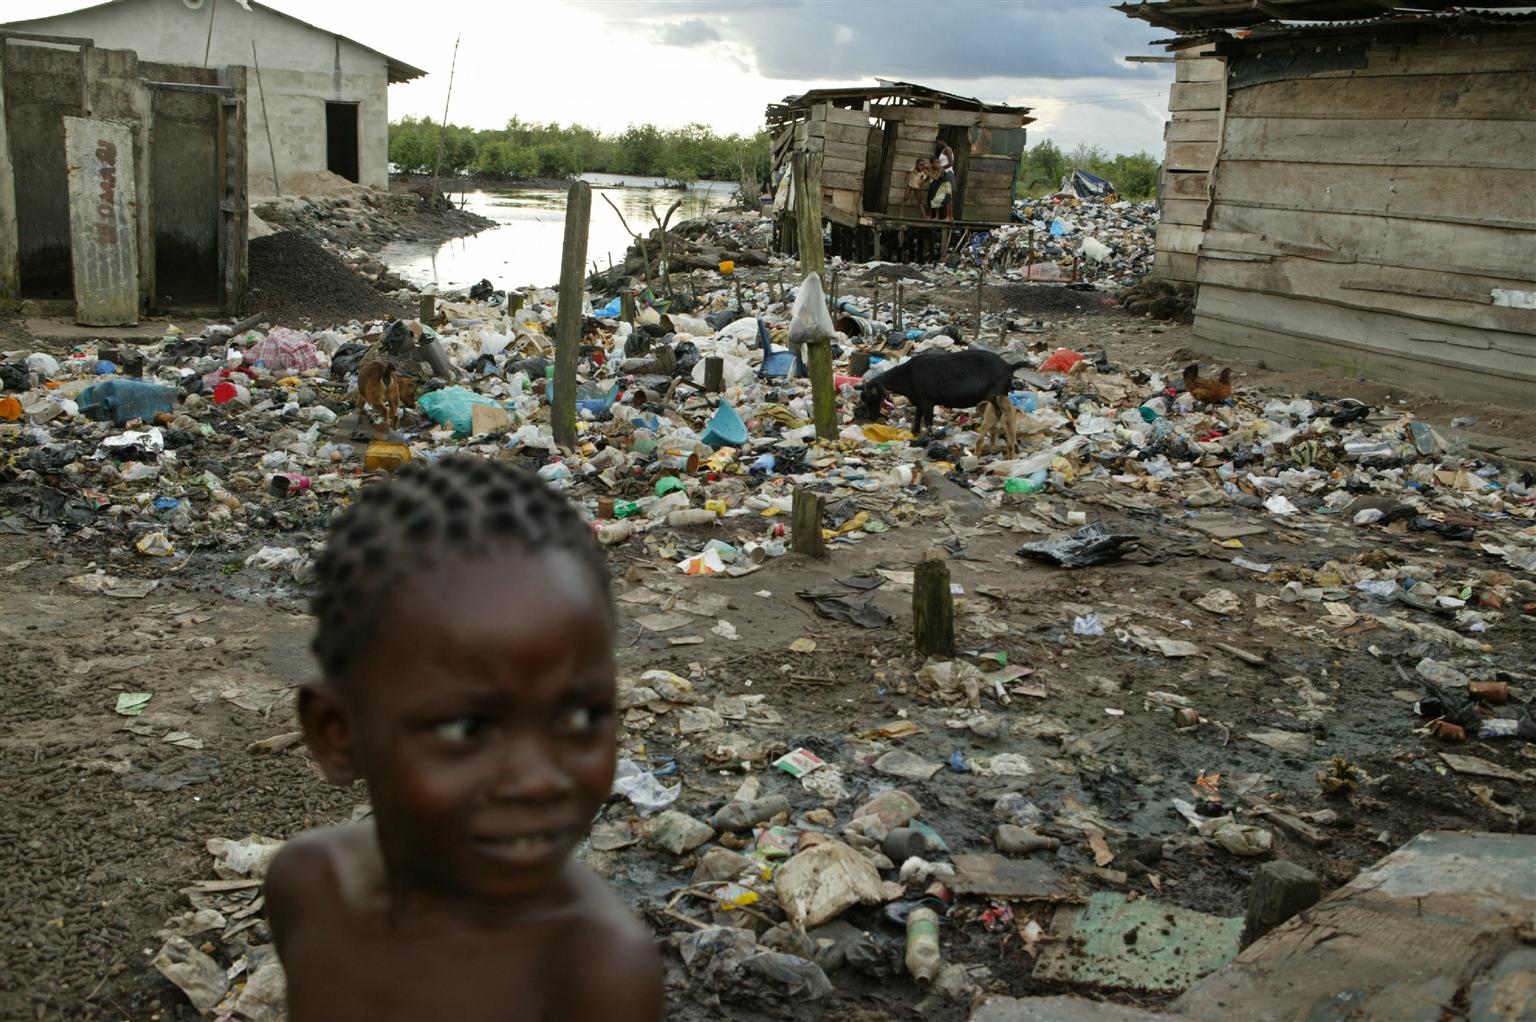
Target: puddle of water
{"points": [[525, 248]]}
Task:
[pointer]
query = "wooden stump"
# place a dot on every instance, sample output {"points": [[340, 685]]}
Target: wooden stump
{"points": [[714, 374], [805, 524], [933, 609], [427, 310], [627, 306], [1279, 890], [818, 362], [578, 214], [858, 363]]}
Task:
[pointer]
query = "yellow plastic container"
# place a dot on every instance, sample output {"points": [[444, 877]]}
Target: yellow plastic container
{"points": [[386, 455]]}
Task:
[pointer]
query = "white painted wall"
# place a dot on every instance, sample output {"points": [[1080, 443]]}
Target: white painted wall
{"points": [[302, 68]]}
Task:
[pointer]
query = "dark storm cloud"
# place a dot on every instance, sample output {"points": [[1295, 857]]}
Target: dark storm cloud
{"points": [[952, 39]]}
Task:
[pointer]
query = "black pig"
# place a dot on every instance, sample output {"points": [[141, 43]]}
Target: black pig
{"points": [[960, 379]]}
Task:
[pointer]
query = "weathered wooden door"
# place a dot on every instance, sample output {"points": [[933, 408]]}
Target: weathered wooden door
{"points": [[103, 218]]}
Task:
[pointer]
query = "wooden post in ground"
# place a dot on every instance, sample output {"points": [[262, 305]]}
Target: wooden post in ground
{"points": [[813, 259], [714, 374], [578, 215], [805, 524], [627, 306], [933, 608], [980, 274], [427, 311], [897, 314]]}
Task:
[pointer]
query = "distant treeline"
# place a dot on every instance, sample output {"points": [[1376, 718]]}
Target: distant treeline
{"points": [[526, 150], [693, 153], [1044, 165]]}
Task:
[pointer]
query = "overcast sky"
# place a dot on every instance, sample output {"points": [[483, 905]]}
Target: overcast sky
{"points": [[610, 63]]}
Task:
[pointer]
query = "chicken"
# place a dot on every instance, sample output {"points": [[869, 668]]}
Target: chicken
{"points": [[1208, 391]]}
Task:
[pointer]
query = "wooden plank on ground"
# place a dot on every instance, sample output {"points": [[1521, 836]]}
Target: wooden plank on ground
{"points": [[1195, 95], [1443, 142], [1496, 97], [1387, 240], [1501, 197]]}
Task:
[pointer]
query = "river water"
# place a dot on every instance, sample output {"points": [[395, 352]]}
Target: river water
{"points": [[524, 249]]}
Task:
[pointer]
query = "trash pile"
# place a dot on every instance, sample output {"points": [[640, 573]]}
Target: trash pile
{"points": [[806, 844], [1065, 239]]}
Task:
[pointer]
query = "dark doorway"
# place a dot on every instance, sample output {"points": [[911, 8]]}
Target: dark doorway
{"points": [[341, 139], [187, 183], [957, 137], [42, 87]]}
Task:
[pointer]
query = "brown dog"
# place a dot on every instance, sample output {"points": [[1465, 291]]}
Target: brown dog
{"points": [[385, 389], [998, 414]]}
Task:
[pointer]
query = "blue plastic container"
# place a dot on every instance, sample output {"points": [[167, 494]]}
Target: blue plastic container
{"points": [[777, 364], [121, 400]]}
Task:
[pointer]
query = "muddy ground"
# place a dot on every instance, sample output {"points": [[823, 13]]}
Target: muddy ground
{"points": [[105, 826]]}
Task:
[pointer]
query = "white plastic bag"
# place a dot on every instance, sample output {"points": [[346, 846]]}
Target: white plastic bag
{"points": [[810, 320]]}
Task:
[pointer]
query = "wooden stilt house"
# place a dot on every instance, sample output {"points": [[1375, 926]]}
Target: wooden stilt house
{"points": [[871, 137]]}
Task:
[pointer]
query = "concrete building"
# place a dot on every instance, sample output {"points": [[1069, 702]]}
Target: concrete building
{"points": [[324, 96]]}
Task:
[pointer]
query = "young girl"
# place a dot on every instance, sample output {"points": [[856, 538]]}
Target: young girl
{"points": [[465, 638]]}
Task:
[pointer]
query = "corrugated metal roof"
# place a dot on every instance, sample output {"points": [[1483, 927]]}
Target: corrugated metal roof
{"points": [[1205, 15], [790, 106]]}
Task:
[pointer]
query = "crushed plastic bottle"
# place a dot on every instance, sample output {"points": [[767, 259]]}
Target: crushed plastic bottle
{"points": [[1032, 483]]}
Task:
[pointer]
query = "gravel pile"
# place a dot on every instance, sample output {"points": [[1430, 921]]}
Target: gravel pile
{"points": [[296, 282]]}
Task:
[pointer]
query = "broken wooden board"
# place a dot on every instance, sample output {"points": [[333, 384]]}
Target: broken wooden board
{"points": [[1060, 1009], [1226, 527], [1010, 879], [1440, 915], [1122, 944], [103, 221]]}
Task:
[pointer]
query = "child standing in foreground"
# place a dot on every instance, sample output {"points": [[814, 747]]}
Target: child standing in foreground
{"points": [[465, 637]]}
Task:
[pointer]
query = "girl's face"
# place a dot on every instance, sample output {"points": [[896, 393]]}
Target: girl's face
{"points": [[483, 718]]}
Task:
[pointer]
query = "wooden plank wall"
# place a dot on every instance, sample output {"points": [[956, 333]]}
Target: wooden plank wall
{"points": [[1363, 219], [916, 138], [1192, 136], [841, 136]]}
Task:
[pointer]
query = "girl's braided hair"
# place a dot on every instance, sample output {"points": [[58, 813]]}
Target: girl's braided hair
{"points": [[459, 506]]}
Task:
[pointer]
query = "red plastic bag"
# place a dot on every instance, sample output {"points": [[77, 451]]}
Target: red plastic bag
{"points": [[1062, 360]]}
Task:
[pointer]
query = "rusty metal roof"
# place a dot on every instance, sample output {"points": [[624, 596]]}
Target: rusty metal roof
{"points": [[857, 95], [1189, 16]]}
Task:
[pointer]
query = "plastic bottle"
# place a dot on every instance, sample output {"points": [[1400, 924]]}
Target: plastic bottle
{"points": [[923, 957], [625, 508], [691, 516], [122, 400], [743, 816], [1032, 483], [614, 532]]}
